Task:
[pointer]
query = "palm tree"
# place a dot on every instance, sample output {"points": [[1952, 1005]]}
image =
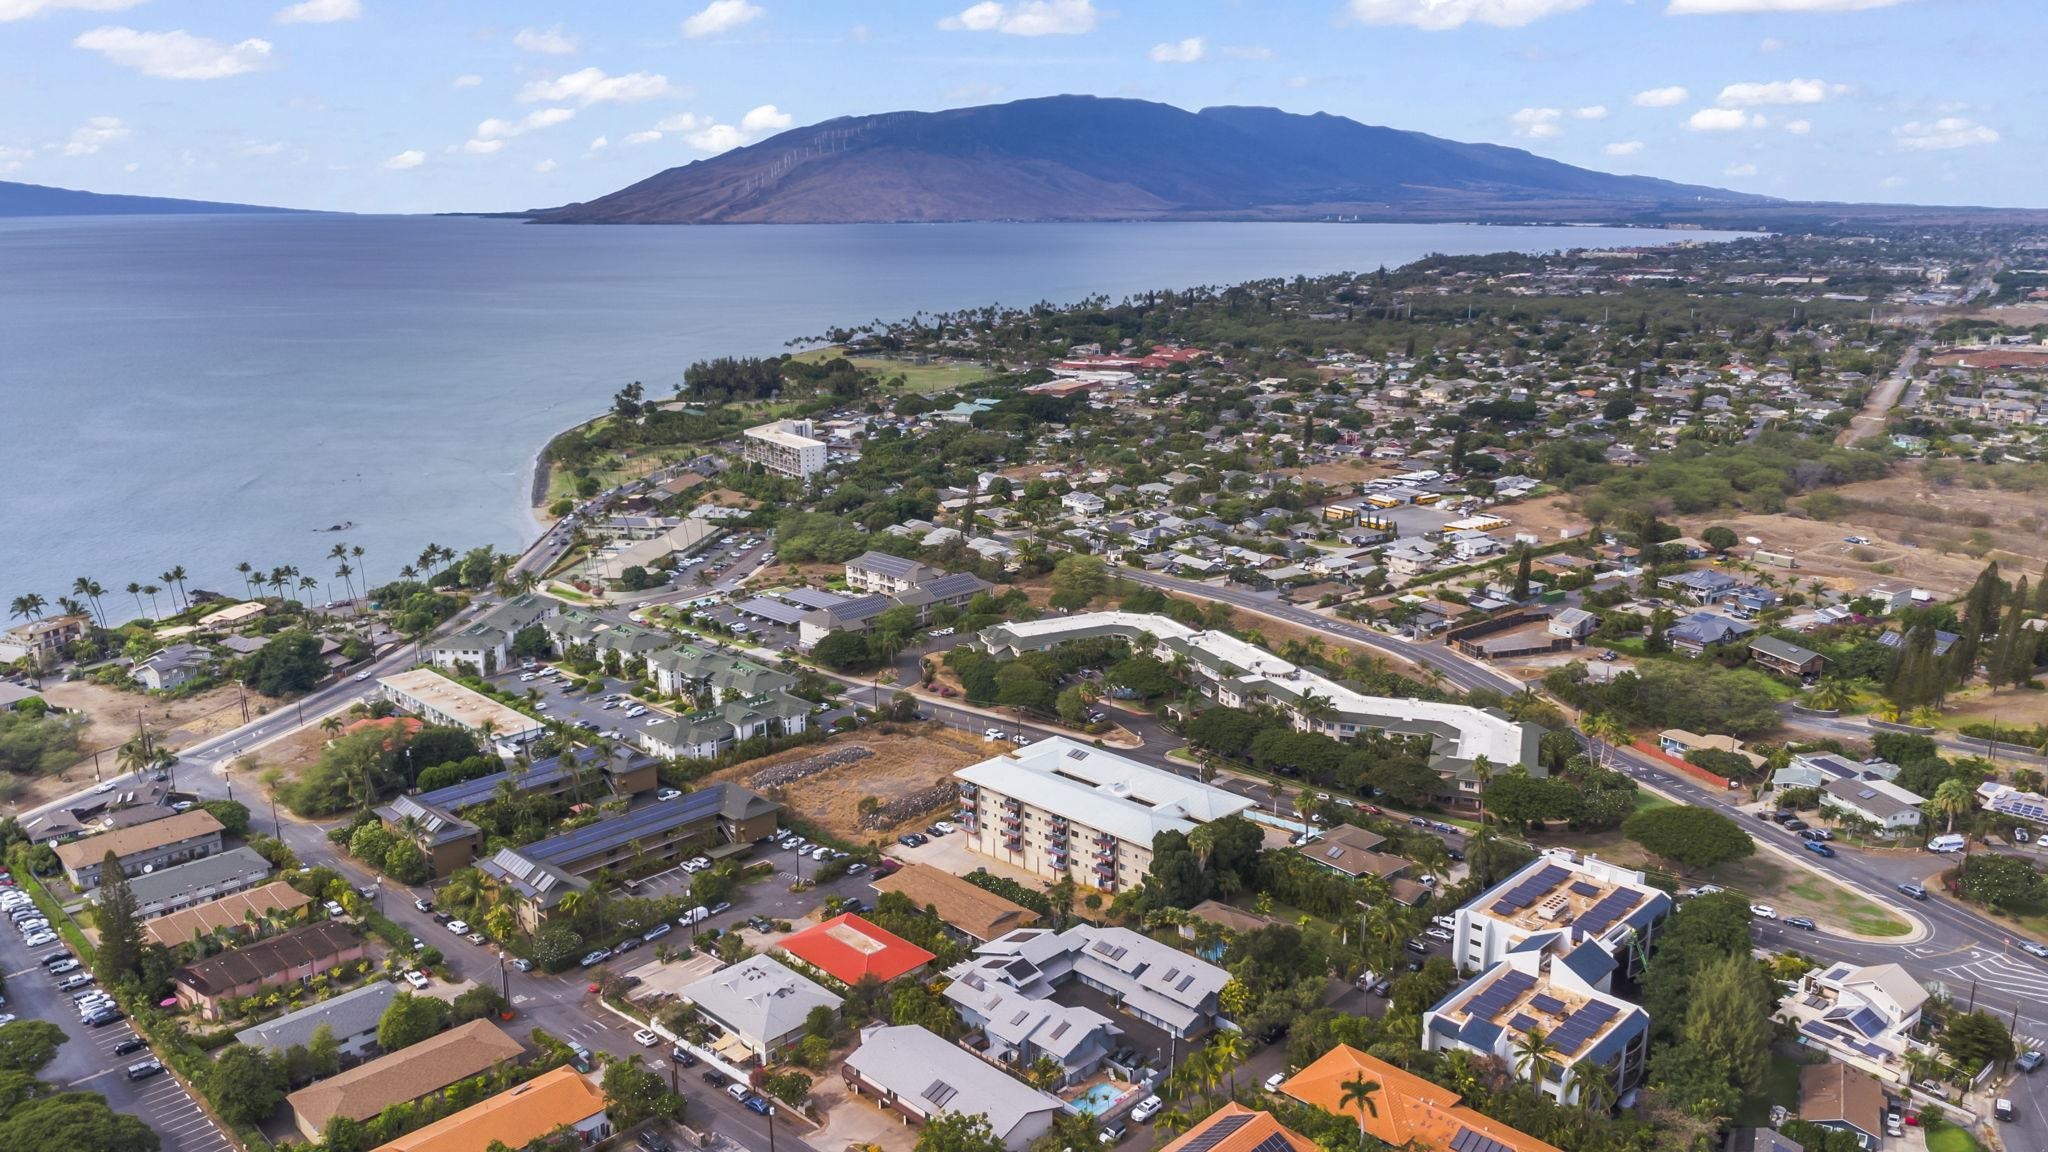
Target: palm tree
{"points": [[70, 606], [1831, 694], [84, 586], [150, 590], [1227, 1050], [307, 583], [28, 607], [248, 573], [170, 581], [1360, 1091], [135, 590], [1482, 771], [331, 725], [356, 553], [1532, 1055], [1952, 798], [1315, 708], [1597, 1092]]}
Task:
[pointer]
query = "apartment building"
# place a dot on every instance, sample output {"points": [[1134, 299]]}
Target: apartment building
{"points": [[1531, 991], [1063, 809], [486, 644], [139, 847], [789, 447], [1597, 917]]}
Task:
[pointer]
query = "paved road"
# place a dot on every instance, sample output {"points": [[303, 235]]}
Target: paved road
{"points": [[1859, 728], [1877, 409]]}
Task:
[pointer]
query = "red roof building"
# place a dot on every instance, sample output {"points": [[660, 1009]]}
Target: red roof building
{"points": [[849, 949]]}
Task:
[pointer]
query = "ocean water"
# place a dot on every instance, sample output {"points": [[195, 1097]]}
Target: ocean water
{"points": [[199, 391]]}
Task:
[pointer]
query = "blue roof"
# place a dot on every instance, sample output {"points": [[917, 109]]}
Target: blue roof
{"points": [[643, 822], [1480, 1034], [1589, 962], [1536, 943], [1632, 1025]]}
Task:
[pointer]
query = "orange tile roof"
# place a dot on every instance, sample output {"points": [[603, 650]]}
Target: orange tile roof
{"points": [[517, 1116], [1224, 1131], [848, 948], [1410, 1110]]}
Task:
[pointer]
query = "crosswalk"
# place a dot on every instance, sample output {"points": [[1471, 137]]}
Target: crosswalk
{"points": [[1994, 971]]}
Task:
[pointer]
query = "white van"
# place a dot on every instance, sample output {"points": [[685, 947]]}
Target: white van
{"points": [[696, 915], [1952, 843]]}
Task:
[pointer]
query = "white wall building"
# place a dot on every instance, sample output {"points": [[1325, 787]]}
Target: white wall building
{"points": [[1597, 917], [787, 447]]}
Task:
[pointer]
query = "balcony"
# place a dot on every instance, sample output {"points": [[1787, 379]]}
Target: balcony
{"points": [[967, 789], [1013, 844]]}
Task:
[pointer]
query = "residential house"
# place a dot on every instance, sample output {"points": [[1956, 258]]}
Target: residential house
{"points": [[1785, 658], [1700, 585], [170, 667], [974, 913], [486, 644], [556, 1100], [1236, 1128], [1352, 851], [2006, 800], [1156, 983], [1407, 1111], [157, 844], [1677, 742], [1019, 1030], [1861, 1015], [276, 900], [1082, 504], [761, 1005], [1528, 992], [921, 1076], [299, 954], [1834, 1095], [209, 878], [412, 1072], [1890, 808], [1701, 630], [709, 731], [1573, 624], [849, 949], [351, 1018]]}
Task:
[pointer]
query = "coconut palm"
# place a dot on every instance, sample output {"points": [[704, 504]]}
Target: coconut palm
{"points": [[1597, 1092], [1952, 798], [135, 590], [150, 590], [28, 606], [248, 574], [88, 588], [1359, 1091], [308, 584], [1482, 771], [1831, 694], [1532, 1055], [1227, 1050]]}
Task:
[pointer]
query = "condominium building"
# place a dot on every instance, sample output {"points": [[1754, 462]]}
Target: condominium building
{"points": [[1597, 917], [1063, 809], [436, 699], [786, 446], [142, 847], [1532, 991]]}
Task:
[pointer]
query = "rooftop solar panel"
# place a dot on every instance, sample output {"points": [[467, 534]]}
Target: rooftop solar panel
{"points": [[1550, 1004], [768, 609], [1214, 1134], [1469, 1141], [1524, 1023], [1585, 889], [1611, 907], [1273, 1143], [639, 824]]}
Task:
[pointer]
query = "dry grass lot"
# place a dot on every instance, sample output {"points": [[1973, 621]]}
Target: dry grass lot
{"points": [[903, 763]]}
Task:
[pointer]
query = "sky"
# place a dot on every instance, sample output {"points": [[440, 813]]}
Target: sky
{"points": [[438, 105]]}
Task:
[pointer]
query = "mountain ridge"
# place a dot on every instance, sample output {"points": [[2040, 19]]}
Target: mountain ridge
{"points": [[18, 200], [1103, 158]]}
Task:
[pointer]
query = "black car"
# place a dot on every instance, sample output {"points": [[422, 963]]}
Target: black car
{"points": [[682, 1057], [54, 958], [1800, 922], [104, 1017], [1454, 854], [714, 1077], [910, 839], [1796, 825], [131, 1044], [443, 917], [653, 1141]]}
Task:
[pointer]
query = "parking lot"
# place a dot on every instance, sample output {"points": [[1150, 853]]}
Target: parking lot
{"points": [[87, 1060]]}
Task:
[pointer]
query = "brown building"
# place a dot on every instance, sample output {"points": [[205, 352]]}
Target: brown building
{"points": [[1834, 1095], [976, 913], [407, 1074], [232, 912], [172, 840], [296, 955], [1352, 851]]}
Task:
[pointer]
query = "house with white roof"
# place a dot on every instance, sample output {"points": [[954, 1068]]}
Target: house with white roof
{"points": [[1063, 809], [922, 1076], [1593, 917], [761, 1004], [1532, 990], [1892, 809], [1862, 1015], [1155, 982]]}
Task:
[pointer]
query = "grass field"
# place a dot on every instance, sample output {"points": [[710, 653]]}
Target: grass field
{"points": [[1949, 1138], [935, 377], [1792, 891]]}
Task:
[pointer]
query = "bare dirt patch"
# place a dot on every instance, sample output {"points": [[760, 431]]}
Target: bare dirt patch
{"points": [[903, 763], [1341, 474], [1545, 517]]}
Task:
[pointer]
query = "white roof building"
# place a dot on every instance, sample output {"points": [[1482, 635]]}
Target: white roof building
{"points": [[924, 1076], [760, 1002], [1107, 792]]}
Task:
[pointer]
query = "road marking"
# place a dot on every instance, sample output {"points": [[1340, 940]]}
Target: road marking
{"points": [[90, 1079]]}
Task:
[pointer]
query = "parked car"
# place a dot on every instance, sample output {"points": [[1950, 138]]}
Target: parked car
{"points": [[2034, 948], [459, 927], [2030, 1059], [682, 1056], [1801, 922], [1818, 848], [423, 905], [668, 793], [646, 1038], [1274, 1081], [1438, 934], [131, 1044], [592, 959], [522, 963], [145, 1069], [1763, 911], [652, 1141], [416, 978]]}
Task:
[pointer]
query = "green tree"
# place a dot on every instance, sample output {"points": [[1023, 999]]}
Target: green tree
{"points": [[74, 1122], [411, 1019], [323, 1052], [245, 1085], [845, 652], [1719, 537], [370, 843], [1078, 579], [232, 814], [1730, 1020], [26, 1045], [958, 1132], [1953, 797], [120, 949], [288, 665], [406, 863], [1975, 1039], [1998, 881], [633, 1092], [1690, 837]]}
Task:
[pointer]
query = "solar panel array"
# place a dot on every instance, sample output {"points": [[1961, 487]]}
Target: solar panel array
{"points": [[1547, 1004], [1273, 1143], [642, 823], [1611, 907], [1469, 1141], [1528, 891], [939, 1092], [1214, 1134], [1582, 1026], [2026, 808], [1585, 888], [1523, 1023], [1491, 1000]]}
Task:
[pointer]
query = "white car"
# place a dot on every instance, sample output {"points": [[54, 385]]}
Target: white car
{"points": [[821, 853], [946, 826], [646, 1038], [1763, 911], [698, 863], [105, 787], [1147, 1109], [1274, 1081], [40, 939], [668, 793], [459, 927], [416, 978], [992, 733]]}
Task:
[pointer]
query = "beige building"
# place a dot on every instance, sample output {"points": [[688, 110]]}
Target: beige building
{"points": [[436, 699], [787, 447], [43, 640], [172, 840], [1060, 808]]}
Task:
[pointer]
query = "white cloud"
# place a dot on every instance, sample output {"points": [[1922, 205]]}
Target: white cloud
{"points": [[1026, 18], [88, 138], [1739, 170], [466, 80], [716, 138], [1892, 182], [1720, 7], [1660, 97], [1799, 127], [261, 148], [633, 139], [545, 41], [1247, 52], [410, 158], [594, 86], [11, 10], [321, 12], [545, 167], [766, 118], [1943, 134], [1178, 51], [175, 55], [600, 144], [11, 159], [1751, 95], [681, 122], [721, 16], [497, 128], [481, 147], [1723, 120], [1442, 15], [1537, 123], [1771, 44], [1623, 148], [1590, 112]]}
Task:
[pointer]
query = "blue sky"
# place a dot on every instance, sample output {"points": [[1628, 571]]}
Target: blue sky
{"points": [[434, 105]]}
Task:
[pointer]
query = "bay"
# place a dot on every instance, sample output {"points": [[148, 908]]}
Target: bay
{"points": [[199, 391]]}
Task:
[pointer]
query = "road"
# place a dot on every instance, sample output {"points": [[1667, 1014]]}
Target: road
{"points": [[1859, 728], [1877, 409]]}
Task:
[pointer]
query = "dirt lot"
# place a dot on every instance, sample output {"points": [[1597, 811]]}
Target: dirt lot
{"points": [[1341, 474], [1917, 532], [1544, 517], [291, 755], [903, 763]]}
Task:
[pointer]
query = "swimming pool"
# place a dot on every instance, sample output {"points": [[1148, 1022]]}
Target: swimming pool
{"points": [[1096, 1100]]}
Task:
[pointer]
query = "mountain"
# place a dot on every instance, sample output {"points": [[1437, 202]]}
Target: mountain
{"points": [[38, 200], [1092, 158]]}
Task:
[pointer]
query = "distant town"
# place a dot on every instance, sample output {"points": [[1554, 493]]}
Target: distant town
{"points": [[1571, 703]]}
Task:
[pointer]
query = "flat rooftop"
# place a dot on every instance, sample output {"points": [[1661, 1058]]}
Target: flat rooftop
{"points": [[466, 707], [1507, 999], [1103, 790], [1548, 894]]}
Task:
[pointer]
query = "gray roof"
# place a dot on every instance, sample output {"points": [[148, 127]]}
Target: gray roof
{"points": [[891, 566], [168, 884], [1783, 649], [935, 1076], [759, 998], [349, 1014]]}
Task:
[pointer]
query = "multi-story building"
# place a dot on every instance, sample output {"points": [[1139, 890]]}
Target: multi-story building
{"points": [[690, 670], [1154, 982], [486, 644], [709, 731], [433, 819], [167, 890], [786, 446], [436, 699], [1532, 991], [1062, 809], [140, 847], [885, 573], [1597, 918], [42, 641]]}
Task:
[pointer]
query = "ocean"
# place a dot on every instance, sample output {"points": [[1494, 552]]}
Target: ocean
{"points": [[204, 390]]}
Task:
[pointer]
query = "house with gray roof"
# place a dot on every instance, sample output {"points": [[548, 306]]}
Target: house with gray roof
{"points": [[170, 667], [1021, 1029], [166, 890], [352, 1017], [712, 730], [1702, 630], [761, 1003], [486, 643], [922, 1076]]}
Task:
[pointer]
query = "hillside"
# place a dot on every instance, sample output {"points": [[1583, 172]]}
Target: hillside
{"points": [[39, 200], [1091, 158]]}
